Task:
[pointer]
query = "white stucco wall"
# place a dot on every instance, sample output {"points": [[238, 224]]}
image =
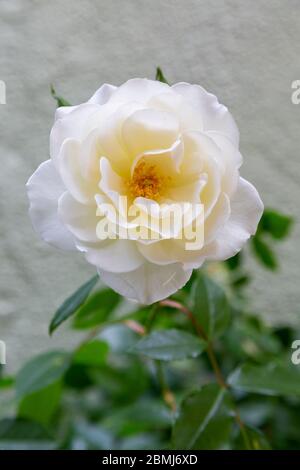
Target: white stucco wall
{"points": [[247, 53]]}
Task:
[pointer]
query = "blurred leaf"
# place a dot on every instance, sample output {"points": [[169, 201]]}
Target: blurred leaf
{"points": [[198, 410], [169, 345], [271, 379], [256, 410], [210, 306], [124, 379], [216, 434], [7, 382], [92, 437], [240, 281], [145, 441], [93, 353], [264, 253], [40, 406], [248, 337], [251, 439], [142, 415], [97, 309], [160, 76], [71, 305], [234, 262], [119, 338], [17, 434], [60, 101], [276, 224], [78, 377], [41, 371]]}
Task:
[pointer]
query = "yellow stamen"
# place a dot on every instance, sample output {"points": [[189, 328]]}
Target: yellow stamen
{"points": [[146, 182]]}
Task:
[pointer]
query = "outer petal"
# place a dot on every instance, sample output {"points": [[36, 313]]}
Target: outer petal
{"points": [[215, 115], [62, 111], [80, 218], [71, 173], [246, 211], [140, 90], [149, 283], [78, 123], [44, 189], [116, 256], [103, 94], [231, 160]]}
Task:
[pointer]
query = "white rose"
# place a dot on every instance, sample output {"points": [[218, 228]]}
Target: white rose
{"points": [[154, 144]]}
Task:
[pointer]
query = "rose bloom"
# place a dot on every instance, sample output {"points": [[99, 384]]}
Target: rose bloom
{"points": [[157, 145]]}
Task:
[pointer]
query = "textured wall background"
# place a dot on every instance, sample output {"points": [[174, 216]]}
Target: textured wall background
{"points": [[247, 53]]}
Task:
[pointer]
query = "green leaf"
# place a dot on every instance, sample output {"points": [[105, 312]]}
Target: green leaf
{"points": [[40, 406], [240, 281], [97, 309], [6, 382], [216, 434], [60, 101], [41, 371], [160, 76], [249, 338], [92, 436], [78, 377], [210, 306], [264, 253], [234, 262], [200, 424], [169, 345], [271, 379], [251, 439], [276, 224], [17, 434], [71, 305], [93, 353], [141, 416]]}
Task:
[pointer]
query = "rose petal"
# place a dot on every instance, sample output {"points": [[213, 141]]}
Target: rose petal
{"points": [[246, 211], [103, 94], [73, 125], [80, 219], [115, 256], [197, 144], [149, 283], [215, 115], [140, 90], [230, 159], [71, 173], [188, 116], [112, 185], [149, 129], [44, 189]]}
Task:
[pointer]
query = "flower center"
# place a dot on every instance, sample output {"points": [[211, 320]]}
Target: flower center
{"points": [[146, 182]]}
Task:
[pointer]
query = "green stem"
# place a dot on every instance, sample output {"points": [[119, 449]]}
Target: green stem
{"points": [[211, 355], [200, 331], [166, 392]]}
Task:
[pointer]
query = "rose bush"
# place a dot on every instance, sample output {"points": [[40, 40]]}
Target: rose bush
{"points": [[153, 144]]}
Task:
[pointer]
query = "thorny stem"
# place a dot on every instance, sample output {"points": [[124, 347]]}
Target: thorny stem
{"points": [[135, 326], [211, 355], [243, 430], [202, 334], [167, 394]]}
